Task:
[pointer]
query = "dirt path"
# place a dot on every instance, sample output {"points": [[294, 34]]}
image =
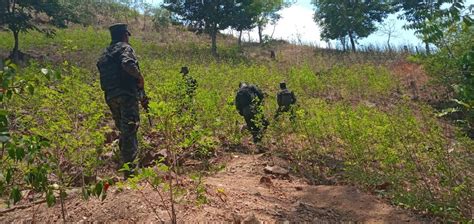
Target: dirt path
{"points": [[242, 192]]}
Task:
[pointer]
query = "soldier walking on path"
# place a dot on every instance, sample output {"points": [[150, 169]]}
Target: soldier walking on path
{"points": [[249, 103], [286, 100], [122, 83]]}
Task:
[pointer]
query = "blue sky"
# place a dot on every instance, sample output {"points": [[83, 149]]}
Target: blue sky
{"points": [[297, 26]]}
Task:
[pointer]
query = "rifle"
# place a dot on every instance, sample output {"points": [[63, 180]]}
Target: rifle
{"points": [[144, 100]]}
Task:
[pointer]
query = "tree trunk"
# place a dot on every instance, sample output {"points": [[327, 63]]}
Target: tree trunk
{"points": [[388, 43], [427, 46], [15, 52], [352, 42], [273, 32], [260, 38], [239, 42], [343, 43], [213, 43]]}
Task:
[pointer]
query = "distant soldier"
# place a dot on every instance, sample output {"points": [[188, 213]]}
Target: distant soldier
{"points": [[249, 101], [190, 82], [122, 83], [286, 100], [187, 90], [272, 54]]}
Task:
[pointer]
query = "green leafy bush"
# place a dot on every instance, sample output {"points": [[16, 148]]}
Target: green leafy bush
{"points": [[452, 66]]}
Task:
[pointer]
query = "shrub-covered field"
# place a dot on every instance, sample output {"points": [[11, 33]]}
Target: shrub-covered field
{"points": [[355, 121]]}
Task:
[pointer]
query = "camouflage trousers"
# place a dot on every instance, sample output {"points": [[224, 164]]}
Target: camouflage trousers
{"points": [[256, 123], [126, 115]]}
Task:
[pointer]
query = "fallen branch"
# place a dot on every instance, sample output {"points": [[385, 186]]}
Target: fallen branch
{"points": [[151, 206], [22, 206], [70, 195]]}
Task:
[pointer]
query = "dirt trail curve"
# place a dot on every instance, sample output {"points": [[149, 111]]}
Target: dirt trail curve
{"points": [[236, 194]]}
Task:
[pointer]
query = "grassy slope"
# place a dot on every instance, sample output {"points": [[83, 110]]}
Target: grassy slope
{"points": [[353, 111]]}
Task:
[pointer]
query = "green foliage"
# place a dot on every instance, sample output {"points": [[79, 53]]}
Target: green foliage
{"points": [[93, 12], [26, 164], [160, 179], [245, 17], [70, 115], [431, 19], [465, 88], [99, 189], [161, 18], [452, 66], [200, 188], [398, 149], [353, 19], [18, 16], [267, 11], [210, 16], [32, 159]]}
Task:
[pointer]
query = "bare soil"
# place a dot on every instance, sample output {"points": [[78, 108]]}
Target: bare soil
{"points": [[240, 193]]}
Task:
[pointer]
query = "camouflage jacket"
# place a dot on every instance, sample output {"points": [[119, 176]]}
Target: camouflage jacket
{"points": [[119, 70], [191, 85], [248, 97]]}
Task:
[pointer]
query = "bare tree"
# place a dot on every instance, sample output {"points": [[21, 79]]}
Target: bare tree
{"points": [[389, 28]]}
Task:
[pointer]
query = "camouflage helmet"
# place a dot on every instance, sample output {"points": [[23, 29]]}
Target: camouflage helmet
{"points": [[117, 30], [184, 70]]}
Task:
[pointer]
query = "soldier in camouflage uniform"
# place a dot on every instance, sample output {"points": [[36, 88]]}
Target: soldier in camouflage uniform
{"points": [[249, 101], [286, 100], [190, 82], [187, 90], [122, 83]]}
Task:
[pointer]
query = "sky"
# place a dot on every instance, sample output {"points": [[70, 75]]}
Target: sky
{"points": [[297, 26]]}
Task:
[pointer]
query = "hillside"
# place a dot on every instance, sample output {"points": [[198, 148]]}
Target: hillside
{"points": [[367, 145]]}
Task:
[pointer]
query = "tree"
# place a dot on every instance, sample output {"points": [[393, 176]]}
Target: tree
{"points": [[352, 18], [209, 16], [147, 12], [134, 6], [268, 13], [18, 16], [429, 17], [85, 12], [245, 18], [161, 18], [389, 28]]}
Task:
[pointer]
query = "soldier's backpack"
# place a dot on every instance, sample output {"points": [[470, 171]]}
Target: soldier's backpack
{"points": [[285, 98], [109, 71], [244, 99]]}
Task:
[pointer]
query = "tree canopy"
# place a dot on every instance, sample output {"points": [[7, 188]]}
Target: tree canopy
{"points": [[18, 16], [267, 12], [245, 17], [209, 16], [349, 18], [429, 19]]}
